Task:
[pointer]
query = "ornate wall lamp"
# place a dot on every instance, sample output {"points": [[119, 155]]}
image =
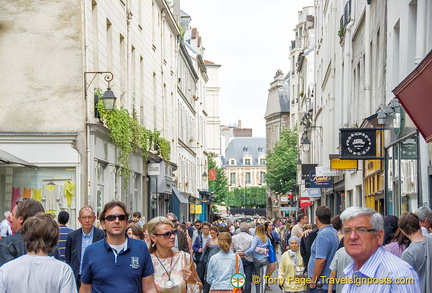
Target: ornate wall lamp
{"points": [[108, 97]]}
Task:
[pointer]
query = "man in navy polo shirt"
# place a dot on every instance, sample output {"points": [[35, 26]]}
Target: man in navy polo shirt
{"points": [[117, 263]]}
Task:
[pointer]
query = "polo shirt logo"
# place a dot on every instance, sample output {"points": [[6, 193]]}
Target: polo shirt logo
{"points": [[135, 262]]}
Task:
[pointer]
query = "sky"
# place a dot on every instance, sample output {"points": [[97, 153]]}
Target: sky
{"points": [[250, 39]]}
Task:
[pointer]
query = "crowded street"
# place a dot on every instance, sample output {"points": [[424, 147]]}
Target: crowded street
{"points": [[216, 146]]}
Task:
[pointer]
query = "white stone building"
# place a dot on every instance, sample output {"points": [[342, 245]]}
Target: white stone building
{"points": [[48, 109]]}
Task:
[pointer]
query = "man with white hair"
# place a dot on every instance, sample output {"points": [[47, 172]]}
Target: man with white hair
{"points": [[5, 225], [373, 269], [425, 216], [240, 243]]}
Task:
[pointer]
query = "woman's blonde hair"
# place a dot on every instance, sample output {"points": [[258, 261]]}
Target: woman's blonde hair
{"points": [[260, 232], [152, 224], [225, 241]]}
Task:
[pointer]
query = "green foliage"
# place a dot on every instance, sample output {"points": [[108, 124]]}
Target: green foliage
{"points": [[248, 197], [282, 163], [219, 186], [129, 136]]}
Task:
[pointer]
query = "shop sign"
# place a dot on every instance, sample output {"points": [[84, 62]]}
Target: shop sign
{"points": [[154, 169], [325, 171], [310, 192], [409, 149], [320, 181], [338, 164], [305, 202], [358, 143], [288, 209], [284, 199], [306, 169]]}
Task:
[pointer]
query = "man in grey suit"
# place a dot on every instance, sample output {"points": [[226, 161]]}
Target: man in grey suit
{"points": [[78, 240]]}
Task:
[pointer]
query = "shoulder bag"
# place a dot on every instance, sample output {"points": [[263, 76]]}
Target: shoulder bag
{"points": [[272, 254], [192, 287], [237, 290]]}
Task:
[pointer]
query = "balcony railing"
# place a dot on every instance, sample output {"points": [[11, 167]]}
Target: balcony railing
{"points": [[345, 19]]}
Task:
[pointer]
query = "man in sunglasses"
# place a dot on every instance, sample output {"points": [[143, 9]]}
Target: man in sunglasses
{"points": [[117, 263], [78, 240], [373, 269], [180, 243]]}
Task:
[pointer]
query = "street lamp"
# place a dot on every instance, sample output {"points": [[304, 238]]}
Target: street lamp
{"points": [[108, 98], [204, 176]]}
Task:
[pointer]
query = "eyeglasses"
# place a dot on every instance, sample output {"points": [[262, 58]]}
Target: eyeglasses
{"points": [[174, 221], [168, 235], [357, 231], [197, 226], [112, 218]]}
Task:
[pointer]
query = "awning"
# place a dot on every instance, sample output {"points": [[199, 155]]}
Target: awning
{"points": [[179, 195], [7, 158], [415, 95]]}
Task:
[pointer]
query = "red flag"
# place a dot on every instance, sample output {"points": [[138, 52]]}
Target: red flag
{"points": [[212, 174]]}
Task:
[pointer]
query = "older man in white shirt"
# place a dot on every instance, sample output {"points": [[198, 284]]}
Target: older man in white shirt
{"points": [[5, 226], [240, 243]]}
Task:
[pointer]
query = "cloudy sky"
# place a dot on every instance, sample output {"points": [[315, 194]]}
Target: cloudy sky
{"points": [[250, 39]]}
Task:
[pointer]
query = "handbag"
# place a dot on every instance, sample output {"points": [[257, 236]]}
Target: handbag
{"points": [[272, 254], [237, 290], [192, 287]]}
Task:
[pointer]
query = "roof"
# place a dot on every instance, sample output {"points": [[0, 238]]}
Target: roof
{"points": [[240, 146]]}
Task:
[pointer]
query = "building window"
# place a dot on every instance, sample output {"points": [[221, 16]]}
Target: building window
{"points": [[262, 177], [232, 178], [232, 162], [262, 161], [247, 178], [247, 162]]}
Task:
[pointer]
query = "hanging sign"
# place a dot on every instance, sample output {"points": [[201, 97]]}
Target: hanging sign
{"points": [[358, 143], [320, 181], [305, 202], [306, 169]]}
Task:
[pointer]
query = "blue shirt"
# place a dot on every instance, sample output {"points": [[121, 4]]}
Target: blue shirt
{"points": [[108, 271], [86, 240], [220, 268], [325, 246], [64, 231], [386, 268], [256, 242]]}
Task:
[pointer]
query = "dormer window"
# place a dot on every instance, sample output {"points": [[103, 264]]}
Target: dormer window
{"points": [[247, 162], [232, 162]]}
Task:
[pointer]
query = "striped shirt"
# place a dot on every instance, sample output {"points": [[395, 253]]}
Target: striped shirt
{"points": [[385, 272], [64, 231]]}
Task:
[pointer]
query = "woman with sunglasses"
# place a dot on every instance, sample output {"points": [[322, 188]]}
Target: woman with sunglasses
{"points": [[173, 269]]}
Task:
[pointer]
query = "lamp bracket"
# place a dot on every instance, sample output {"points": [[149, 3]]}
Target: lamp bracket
{"points": [[109, 76]]}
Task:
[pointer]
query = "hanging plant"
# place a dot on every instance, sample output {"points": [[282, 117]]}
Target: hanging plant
{"points": [[130, 136]]}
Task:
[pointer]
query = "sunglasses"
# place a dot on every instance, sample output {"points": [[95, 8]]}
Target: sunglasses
{"points": [[112, 218], [168, 235]]}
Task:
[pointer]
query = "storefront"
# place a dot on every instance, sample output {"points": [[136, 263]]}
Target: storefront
{"points": [[50, 175]]}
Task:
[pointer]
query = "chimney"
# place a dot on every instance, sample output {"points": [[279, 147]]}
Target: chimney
{"points": [[239, 124]]}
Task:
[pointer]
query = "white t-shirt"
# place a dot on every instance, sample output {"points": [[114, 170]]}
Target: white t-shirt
{"points": [[35, 273]]}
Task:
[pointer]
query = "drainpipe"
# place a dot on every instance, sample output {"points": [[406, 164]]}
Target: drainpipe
{"points": [[87, 109], [367, 60], [419, 55]]}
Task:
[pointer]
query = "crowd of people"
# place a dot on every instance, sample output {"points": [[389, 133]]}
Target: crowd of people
{"points": [[356, 251]]}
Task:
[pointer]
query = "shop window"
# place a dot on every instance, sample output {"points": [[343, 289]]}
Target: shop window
{"points": [[55, 188]]}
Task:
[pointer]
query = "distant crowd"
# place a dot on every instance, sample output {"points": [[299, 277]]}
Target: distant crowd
{"points": [[356, 251]]}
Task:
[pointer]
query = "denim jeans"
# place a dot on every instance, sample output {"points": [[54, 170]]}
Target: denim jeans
{"points": [[248, 267]]}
